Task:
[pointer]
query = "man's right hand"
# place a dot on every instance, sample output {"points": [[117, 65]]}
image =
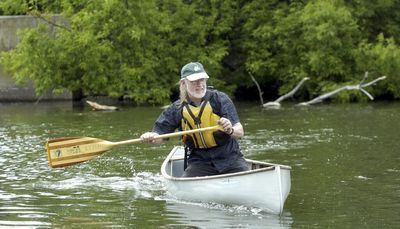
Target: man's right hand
{"points": [[149, 138]]}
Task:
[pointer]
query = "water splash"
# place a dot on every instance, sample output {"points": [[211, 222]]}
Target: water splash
{"points": [[145, 184]]}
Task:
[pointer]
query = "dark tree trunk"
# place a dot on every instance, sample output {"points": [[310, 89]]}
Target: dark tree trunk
{"points": [[77, 95]]}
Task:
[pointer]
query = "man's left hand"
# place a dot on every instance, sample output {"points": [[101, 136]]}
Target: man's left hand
{"points": [[226, 125]]}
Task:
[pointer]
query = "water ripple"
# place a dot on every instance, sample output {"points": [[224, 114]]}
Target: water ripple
{"points": [[280, 139]]}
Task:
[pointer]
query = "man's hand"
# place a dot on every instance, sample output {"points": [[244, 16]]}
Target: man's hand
{"points": [[149, 138], [235, 131], [226, 125]]}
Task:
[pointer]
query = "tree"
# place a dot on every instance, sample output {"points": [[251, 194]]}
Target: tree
{"points": [[112, 48], [136, 48], [23, 7], [328, 41]]}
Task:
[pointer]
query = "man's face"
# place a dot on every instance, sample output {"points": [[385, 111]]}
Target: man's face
{"points": [[197, 88]]}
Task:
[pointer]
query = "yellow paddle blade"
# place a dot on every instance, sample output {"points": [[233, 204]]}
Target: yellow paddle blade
{"points": [[71, 150]]}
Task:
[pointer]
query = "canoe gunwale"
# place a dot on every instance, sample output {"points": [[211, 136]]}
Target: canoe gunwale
{"points": [[170, 158]]}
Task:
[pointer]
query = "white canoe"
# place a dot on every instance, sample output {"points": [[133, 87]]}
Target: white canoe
{"points": [[265, 185]]}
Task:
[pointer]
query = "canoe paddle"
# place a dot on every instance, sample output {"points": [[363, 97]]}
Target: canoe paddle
{"points": [[67, 151]]}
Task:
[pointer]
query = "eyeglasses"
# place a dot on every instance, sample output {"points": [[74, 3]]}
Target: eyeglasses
{"points": [[203, 80]]}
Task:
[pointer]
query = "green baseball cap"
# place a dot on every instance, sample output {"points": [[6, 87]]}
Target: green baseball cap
{"points": [[193, 71]]}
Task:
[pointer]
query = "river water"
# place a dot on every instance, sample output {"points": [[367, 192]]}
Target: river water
{"points": [[344, 158]]}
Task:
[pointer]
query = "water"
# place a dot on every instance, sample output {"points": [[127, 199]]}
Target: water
{"points": [[345, 162]]}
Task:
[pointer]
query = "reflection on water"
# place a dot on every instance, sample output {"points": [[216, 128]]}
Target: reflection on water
{"points": [[344, 157], [211, 215]]}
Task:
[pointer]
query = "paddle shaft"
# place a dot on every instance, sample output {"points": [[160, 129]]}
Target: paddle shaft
{"points": [[162, 136], [68, 151]]}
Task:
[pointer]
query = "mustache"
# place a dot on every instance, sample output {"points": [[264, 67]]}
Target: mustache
{"points": [[196, 94]]}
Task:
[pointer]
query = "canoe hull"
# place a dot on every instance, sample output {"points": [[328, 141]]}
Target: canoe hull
{"points": [[265, 186]]}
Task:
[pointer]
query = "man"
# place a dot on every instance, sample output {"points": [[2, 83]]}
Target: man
{"points": [[209, 153]]}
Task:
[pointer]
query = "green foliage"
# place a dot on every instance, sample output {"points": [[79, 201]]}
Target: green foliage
{"points": [[376, 17], [328, 32], [322, 39], [136, 48], [381, 58], [22, 7], [259, 43], [112, 48], [13, 7]]}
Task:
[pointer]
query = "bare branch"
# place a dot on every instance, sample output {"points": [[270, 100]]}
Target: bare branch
{"points": [[276, 103], [39, 16], [324, 96], [367, 94], [373, 82], [291, 93], [365, 78], [260, 93], [345, 88]]}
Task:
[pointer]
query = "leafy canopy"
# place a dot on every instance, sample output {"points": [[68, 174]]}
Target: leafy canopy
{"points": [[136, 48]]}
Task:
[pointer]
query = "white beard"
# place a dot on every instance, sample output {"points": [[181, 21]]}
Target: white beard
{"points": [[196, 94]]}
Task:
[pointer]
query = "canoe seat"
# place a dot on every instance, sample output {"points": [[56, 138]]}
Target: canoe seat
{"points": [[176, 167], [254, 166]]}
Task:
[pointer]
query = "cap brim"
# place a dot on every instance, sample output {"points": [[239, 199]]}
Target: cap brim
{"points": [[197, 76]]}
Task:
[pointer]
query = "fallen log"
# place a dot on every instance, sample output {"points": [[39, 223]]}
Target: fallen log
{"points": [[277, 104], [99, 107], [359, 87]]}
